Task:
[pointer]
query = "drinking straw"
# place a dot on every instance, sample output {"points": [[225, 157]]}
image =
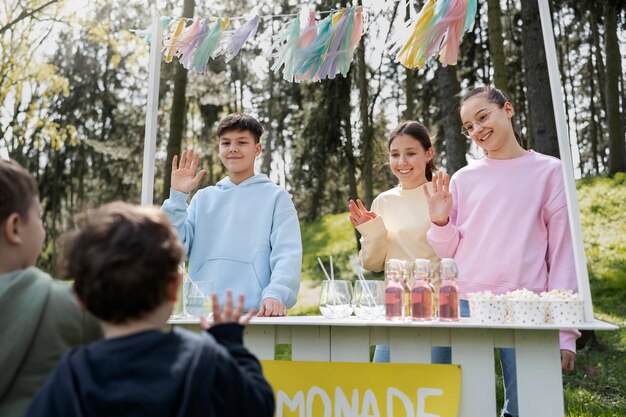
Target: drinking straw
{"points": [[332, 274], [359, 274], [323, 269]]}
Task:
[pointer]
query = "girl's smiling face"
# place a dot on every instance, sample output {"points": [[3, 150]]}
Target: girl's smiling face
{"points": [[408, 160], [488, 124]]}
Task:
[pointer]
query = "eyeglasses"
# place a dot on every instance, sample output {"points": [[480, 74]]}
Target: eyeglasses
{"points": [[470, 127]]}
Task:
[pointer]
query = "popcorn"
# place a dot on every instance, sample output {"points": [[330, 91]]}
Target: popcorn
{"points": [[522, 294], [485, 296], [560, 294], [558, 306], [485, 307], [564, 307]]}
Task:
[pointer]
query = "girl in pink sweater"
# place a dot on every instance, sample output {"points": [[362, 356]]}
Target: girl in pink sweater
{"points": [[504, 219]]}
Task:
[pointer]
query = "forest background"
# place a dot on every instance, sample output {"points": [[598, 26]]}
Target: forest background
{"points": [[73, 90]]}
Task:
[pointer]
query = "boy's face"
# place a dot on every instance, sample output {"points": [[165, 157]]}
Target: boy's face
{"points": [[238, 151], [33, 233]]}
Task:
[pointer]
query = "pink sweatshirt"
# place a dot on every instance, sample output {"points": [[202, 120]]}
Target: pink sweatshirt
{"points": [[509, 228]]}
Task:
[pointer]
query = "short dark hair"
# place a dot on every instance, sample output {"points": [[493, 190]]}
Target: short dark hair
{"points": [[419, 132], [18, 189], [495, 96], [121, 258], [240, 121]]}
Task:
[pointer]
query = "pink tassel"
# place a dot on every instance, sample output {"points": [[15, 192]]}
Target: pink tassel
{"points": [[308, 34], [306, 39], [455, 21], [357, 29], [187, 39]]}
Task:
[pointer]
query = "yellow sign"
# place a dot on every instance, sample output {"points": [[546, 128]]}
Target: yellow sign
{"points": [[341, 389]]}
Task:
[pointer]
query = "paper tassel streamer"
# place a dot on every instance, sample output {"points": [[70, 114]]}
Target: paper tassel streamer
{"points": [[455, 19], [357, 30], [320, 51], [170, 44], [309, 59], [207, 48], [286, 46], [306, 39], [188, 52], [436, 31], [240, 37], [189, 39], [340, 46], [472, 6], [412, 49]]}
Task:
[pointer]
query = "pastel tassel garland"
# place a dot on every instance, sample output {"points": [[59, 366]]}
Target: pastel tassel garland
{"points": [[189, 51], [240, 37], [207, 48], [343, 25], [320, 51], [437, 31], [309, 59], [412, 54], [306, 39], [188, 40], [286, 46], [172, 41]]}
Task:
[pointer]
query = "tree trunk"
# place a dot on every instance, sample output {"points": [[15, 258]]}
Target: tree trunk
{"points": [[367, 135], [541, 112], [455, 144], [617, 161], [496, 49], [593, 126], [266, 162], [177, 116]]}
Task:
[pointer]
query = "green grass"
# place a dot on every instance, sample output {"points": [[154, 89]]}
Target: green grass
{"points": [[597, 387], [332, 235]]}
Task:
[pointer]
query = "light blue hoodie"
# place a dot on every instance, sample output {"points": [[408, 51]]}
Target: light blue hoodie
{"points": [[242, 237]]}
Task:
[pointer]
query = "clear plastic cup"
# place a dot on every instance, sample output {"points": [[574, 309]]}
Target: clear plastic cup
{"points": [[336, 299], [368, 300]]}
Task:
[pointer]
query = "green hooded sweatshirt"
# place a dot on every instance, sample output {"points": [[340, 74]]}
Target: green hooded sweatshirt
{"points": [[39, 321]]}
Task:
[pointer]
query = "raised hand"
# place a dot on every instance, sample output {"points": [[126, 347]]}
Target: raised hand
{"points": [[358, 213], [184, 177], [228, 314], [440, 201]]}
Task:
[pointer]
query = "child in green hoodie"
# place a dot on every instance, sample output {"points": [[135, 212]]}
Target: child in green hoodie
{"points": [[39, 317]]}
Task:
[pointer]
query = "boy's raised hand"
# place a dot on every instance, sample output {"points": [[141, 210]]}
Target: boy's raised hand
{"points": [[184, 177], [440, 201], [228, 314], [359, 214], [271, 307]]}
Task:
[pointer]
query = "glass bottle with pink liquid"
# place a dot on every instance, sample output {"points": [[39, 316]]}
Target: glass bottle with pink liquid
{"points": [[422, 291], [448, 291], [394, 289]]}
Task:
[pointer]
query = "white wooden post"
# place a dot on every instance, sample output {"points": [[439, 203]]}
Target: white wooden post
{"points": [[566, 158], [152, 112]]}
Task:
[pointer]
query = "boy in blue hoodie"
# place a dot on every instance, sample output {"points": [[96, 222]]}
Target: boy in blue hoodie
{"points": [[243, 233]]}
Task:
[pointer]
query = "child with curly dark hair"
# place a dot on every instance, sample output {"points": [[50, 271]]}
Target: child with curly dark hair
{"points": [[124, 260]]}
